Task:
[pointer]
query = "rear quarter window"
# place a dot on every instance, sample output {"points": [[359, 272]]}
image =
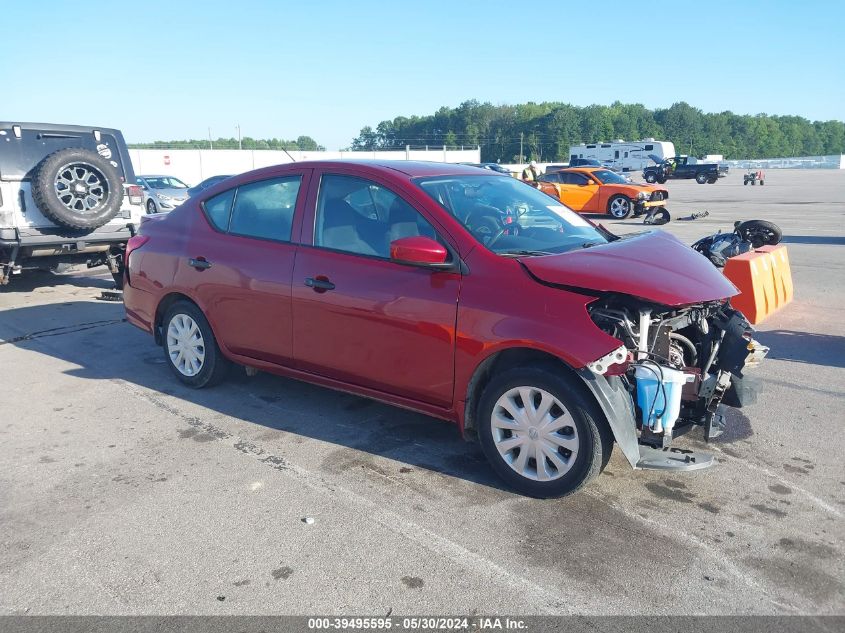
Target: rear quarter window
{"points": [[218, 209]]}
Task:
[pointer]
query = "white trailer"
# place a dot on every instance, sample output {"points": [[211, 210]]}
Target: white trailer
{"points": [[624, 155]]}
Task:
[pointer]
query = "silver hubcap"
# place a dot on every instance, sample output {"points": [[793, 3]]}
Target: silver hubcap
{"points": [[534, 433], [185, 345], [81, 187], [619, 207]]}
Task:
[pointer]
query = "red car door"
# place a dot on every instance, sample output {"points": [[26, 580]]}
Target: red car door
{"points": [[359, 317], [241, 262]]}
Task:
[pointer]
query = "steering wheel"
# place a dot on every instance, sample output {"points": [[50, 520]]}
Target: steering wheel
{"points": [[496, 236]]}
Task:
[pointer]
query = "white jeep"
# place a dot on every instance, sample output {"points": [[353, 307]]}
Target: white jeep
{"points": [[67, 196]]}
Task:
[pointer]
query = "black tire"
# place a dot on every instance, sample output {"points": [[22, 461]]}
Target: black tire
{"points": [[760, 233], [620, 207], [661, 180], [711, 181], [118, 280], [214, 365], [762, 182], [594, 440], [753, 182], [650, 178], [77, 188], [745, 182], [657, 217], [701, 178], [151, 207]]}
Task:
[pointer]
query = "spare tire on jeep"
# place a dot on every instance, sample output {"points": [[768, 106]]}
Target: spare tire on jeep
{"points": [[77, 188]]}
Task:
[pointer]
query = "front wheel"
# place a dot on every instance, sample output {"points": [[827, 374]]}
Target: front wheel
{"points": [[190, 347], [650, 178], [539, 432], [151, 207], [701, 178], [619, 207]]}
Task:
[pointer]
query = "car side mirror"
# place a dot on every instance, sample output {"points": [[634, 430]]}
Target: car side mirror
{"points": [[419, 251]]}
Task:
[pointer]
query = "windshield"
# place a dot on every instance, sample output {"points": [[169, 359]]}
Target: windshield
{"points": [[510, 217], [165, 182], [607, 177]]}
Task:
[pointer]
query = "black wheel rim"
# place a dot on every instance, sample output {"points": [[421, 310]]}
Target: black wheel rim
{"points": [[81, 187]]}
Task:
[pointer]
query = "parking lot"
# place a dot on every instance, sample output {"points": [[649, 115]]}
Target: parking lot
{"points": [[123, 492]]}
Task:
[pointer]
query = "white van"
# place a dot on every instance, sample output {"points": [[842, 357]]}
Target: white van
{"points": [[624, 155]]}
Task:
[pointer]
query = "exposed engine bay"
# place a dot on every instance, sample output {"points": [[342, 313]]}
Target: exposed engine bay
{"points": [[679, 364]]}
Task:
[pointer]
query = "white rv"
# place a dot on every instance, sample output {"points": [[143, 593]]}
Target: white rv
{"points": [[624, 155]]}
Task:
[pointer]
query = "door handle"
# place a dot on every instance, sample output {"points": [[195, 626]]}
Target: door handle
{"points": [[200, 263], [319, 284]]}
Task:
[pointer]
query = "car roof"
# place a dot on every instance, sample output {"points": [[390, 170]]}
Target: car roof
{"points": [[409, 168], [586, 170], [58, 127], [156, 176]]}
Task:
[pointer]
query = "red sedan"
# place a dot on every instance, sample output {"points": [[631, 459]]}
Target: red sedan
{"points": [[453, 291]]}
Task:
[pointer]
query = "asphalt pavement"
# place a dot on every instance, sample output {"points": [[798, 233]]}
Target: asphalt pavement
{"points": [[123, 492]]}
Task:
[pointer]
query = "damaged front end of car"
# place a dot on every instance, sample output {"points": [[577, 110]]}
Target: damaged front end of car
{"points": [[680, 367]]}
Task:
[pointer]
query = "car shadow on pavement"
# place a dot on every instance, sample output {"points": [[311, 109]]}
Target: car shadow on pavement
{"points": [[32, 280], [804, 347], [829, 240], [117, 351]]}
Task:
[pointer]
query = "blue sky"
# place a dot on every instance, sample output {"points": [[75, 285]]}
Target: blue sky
{"points": [[169, 70]]}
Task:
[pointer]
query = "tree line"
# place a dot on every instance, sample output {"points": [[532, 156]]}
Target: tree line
{"points": [[545, 131], [302, 143]]}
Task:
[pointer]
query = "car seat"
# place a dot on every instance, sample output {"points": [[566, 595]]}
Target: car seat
{"points": [[340, 228]]}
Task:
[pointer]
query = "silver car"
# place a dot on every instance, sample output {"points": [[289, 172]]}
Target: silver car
{"points": [[163, 193]]}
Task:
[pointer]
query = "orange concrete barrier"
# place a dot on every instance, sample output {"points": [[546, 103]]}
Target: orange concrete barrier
{"points": [[764, 280]]}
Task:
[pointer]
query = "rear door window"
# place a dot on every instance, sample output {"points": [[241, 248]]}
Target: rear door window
{"points": [[265, 209]]}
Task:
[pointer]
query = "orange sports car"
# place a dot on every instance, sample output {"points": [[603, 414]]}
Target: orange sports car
{"points": [[599, 190]]}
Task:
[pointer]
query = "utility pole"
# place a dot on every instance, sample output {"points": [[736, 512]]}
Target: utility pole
{"points": [[210, 144], [240, 146], [521, 155]]}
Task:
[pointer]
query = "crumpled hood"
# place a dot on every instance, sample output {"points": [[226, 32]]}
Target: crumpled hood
{"points": [[654, 266]]}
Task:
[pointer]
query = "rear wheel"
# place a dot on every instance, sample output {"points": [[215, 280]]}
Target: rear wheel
{"points": [[762, 182], [760, 233], [539, 432], [701, 178], [190, 347], [619, 207]]}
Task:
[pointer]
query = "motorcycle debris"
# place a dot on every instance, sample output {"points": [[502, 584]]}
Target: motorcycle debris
{"points": [[111, 295], [695, 216]]}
